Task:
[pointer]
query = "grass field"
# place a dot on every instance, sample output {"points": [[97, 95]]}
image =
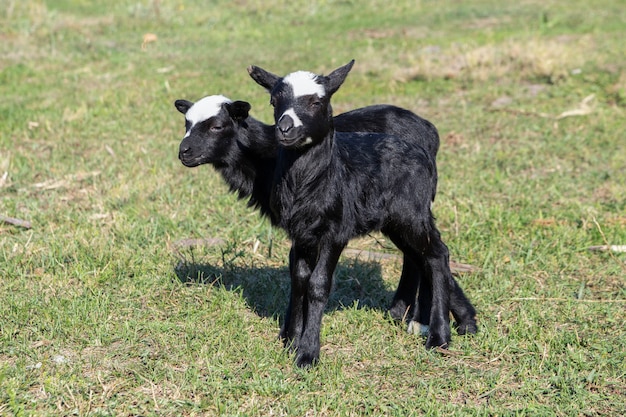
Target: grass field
{"points": [[145, 288]]}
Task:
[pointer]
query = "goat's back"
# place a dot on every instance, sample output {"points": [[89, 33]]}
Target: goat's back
{"points": [[392, 120]]}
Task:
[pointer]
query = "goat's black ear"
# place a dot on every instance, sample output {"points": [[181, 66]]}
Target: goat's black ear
{"points": [[238, 110], [337, 77], [183, 105], [263, 78]]}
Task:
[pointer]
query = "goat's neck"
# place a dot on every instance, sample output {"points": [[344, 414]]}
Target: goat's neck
{"points": [[311, 163], [300, 174], [257, 140], [254, 151]]}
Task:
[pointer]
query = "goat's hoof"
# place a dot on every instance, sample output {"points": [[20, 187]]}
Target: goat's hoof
{"points": [[437, 341], [305, 361], [468, 327], [399, 310]]}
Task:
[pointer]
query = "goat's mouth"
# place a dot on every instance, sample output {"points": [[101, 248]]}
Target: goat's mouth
{"points": [[292, 137], [297, 142], [191, 162]]}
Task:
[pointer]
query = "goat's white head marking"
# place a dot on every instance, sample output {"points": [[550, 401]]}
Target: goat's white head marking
{"points": [[204, 109], [304, 83]]}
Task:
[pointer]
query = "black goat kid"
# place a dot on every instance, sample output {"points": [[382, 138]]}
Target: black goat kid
{"points": [[330, 187]]}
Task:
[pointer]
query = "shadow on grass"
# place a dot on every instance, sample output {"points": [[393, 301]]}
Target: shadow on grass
{"points": [[266, 289]]}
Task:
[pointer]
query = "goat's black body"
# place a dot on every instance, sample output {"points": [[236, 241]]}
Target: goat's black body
{"points": [[346, 186], [330, 187]]}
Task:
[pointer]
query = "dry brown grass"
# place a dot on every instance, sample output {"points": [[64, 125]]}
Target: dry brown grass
{"points": [[543, 58], [535, 58]]}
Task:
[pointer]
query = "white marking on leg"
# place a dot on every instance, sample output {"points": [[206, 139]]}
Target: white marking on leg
{"points": [[304, 83], [415, 327]]}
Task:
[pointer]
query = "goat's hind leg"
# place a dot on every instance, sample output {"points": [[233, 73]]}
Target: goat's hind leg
{"points": [[420, 319], [404, 298], [413, 282], [431, 257], [462, 309], [416, 278], [438, 265]]}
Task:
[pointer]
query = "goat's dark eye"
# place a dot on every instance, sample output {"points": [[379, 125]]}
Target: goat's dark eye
{"points": [[216, 128], [316, 103]]}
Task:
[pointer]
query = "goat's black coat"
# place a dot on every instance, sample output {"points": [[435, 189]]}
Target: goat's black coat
{"points": [[330, 187]]}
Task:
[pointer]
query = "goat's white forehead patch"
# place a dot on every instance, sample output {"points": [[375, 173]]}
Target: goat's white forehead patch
{"points": [[304, 83], [205, 108]]}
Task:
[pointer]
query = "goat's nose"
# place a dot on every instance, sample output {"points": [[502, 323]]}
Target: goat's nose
{"points": [[285, 123], [183, 150]]}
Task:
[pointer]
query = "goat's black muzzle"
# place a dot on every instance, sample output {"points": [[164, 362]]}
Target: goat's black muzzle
{"points": [[186, 156]]}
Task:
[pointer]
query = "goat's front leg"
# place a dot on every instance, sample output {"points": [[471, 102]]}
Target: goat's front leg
{"points": [[319, 287], [301, 263]]}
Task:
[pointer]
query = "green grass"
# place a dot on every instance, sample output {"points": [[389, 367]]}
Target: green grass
{"points": [[104, 312]]}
